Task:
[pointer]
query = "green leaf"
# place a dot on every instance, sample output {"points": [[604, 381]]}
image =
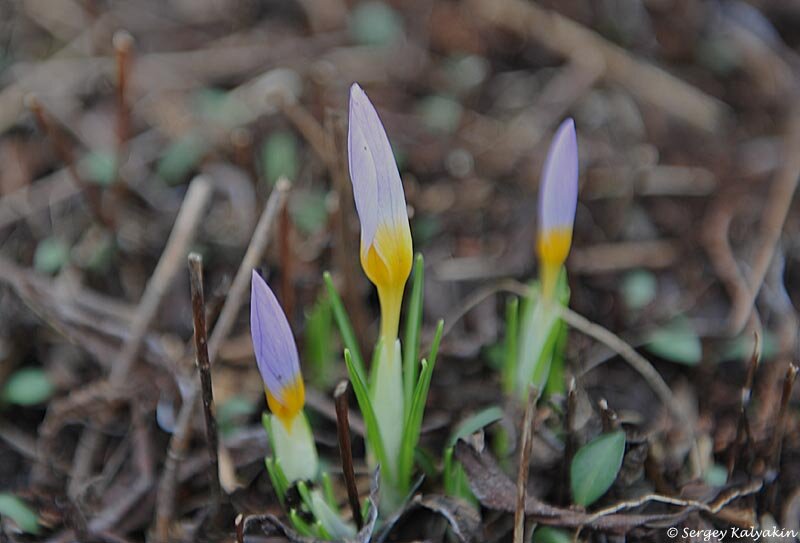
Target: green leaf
{"points": [[440, 113], [716, 475], [317, 340], [474, 423], [512, 335], [279, 156], [375, 23], [100, 167], [180, 158], [676, 342], [411, 339], [51, 254], [546, 534], [413, 422], [220, 106], [370, 421], [308, 210], [15, 509], [28, 386], [232, 412], [595, 467], [638, 289], [345, 328]]}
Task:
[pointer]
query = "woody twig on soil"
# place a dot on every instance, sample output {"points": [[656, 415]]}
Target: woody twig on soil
{"points": [[743, 434], [204, 367], [189, 216], [526, 446], [227, 318], [64, 151], [346, 450]]}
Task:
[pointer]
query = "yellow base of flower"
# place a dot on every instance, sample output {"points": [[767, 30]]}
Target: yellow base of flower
{"points": [[294, 398], [553, 248]]}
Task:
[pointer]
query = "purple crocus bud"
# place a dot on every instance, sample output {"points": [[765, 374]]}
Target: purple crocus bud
{"points": [[386, 251], [276, 352], [558, 197]]}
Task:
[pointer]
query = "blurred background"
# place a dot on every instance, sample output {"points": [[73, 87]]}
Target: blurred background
{"points": [[689, 139]]}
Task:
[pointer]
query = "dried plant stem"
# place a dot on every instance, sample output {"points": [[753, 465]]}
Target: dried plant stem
{"points": [[346, 451], [64, 152], [743, 427], [780, 425], [204, 367], [189, 216], [524, 465], [574, 41], [772, 221], [236, 294], [123, 45]]}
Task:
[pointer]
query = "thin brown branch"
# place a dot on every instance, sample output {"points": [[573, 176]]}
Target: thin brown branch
{"points": [[346, 451], [123, 45], [204, 367], [573, 41], [64, 151], [524, 464], [773, 219]]}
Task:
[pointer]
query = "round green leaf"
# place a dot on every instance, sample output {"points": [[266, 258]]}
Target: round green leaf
{"points": [[180, 158], [595, 467], [15, 509], [375, 23], [100, 167], [279, 157], [28, 386], [440, 113], [51, 254], [676, 342], [638, 289]]}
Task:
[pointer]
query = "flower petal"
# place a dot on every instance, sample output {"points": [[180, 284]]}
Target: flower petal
{"points": [[377, 189], [273, 343], [558, 191]]}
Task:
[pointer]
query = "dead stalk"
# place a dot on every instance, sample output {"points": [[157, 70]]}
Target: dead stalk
{"points": [[346, 451]]}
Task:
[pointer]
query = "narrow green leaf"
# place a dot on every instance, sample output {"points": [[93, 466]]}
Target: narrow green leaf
{"points": [[595, 467], [413, 423], [303, 527], [413, 326], [474, 423], [677, 342], [275, 479], [28, 386], [317, 341], [370, 421], [510, 352], [327, 486], [345, 328], [15, 509], [546, 534]]}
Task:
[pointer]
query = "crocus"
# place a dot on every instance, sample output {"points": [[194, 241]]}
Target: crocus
{"points": [[386, 256], [386, 252], [279, 365], [558, 194]]}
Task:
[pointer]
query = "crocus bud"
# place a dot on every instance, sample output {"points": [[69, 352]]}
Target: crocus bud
{"points": [[279, 365], [558, 196], [386, 252]]}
